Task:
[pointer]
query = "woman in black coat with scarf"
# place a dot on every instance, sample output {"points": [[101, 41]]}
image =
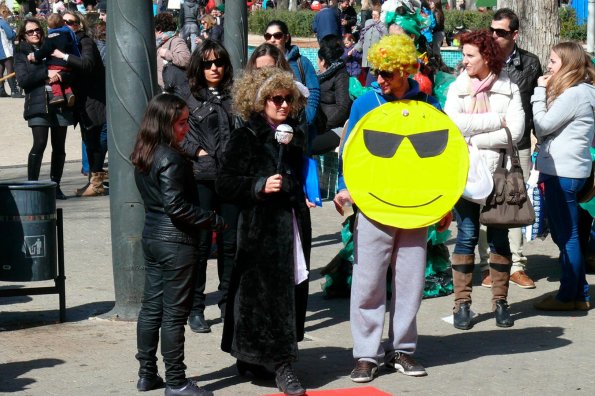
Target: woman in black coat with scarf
{"points": [[269, 291], [210, 75]]}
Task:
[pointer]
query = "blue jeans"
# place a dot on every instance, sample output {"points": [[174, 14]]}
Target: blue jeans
{"points": [[562, 212], [467, 216]]}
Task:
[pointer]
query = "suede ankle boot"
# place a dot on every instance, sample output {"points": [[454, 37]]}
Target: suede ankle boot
{"points": [[462, 277], [94, 188], [500, 273], [56, 170], [34, 166]]}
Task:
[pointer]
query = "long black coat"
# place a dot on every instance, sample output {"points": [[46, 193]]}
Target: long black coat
{"points": [[32, 78], [266, 311]]}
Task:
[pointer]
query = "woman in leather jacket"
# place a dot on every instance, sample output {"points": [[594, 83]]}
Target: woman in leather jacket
{"points": [[210, 77], [173, 219], [269, 289]]}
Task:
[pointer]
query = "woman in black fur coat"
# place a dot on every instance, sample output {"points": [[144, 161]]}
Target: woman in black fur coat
{"points": [[267, 299]]}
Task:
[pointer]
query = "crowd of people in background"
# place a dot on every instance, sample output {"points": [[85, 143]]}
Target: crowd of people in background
{"points": [[220, 158]]}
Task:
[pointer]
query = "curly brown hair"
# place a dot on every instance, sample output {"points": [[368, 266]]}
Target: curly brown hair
{"points": [[488, 48], [255, 87]]}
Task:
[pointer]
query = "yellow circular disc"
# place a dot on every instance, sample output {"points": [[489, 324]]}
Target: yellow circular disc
{"points": [[405, 164]]}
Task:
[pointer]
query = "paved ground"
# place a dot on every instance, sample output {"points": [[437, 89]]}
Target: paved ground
{"points": [[543, 354]]}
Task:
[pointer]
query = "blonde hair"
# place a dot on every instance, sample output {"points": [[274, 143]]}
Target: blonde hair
{"points": [[394, 53], [255, 87], [209, 20], [576, 68], [5, 12]]}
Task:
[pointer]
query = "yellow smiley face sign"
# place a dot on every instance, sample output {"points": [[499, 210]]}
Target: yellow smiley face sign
{"points": [[405, 164]]}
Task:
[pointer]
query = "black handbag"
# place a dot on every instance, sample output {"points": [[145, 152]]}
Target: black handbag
{"points": [[508, 206]]}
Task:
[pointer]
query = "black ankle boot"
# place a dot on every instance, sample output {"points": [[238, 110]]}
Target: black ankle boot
{"points": [[462, 318], [190, 389], [198, 324], [503, 318], [257, 371], [34, 166], [56, 170], [287, 382], [145, 384], [3, 93]]}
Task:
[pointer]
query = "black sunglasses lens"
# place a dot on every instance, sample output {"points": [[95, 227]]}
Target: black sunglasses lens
{"points": [[429, 144], [32, 32], [384, 74], [278, 100], [277, 36], [69, 22], [217, 62], [500, 32], [382, 144]]}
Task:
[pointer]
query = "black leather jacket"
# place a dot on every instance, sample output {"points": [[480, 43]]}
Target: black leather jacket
{"points": [[524, 69], [211, 124], [172, 213]]}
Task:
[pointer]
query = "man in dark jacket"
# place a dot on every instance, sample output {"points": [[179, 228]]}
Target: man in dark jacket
{"points": [[326, 22], [524, 69], [348, 16]]}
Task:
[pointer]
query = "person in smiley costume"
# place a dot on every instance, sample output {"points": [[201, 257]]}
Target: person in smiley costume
{"points": [[404, 165]]}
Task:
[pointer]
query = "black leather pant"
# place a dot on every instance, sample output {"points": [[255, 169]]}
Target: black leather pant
{"points": [[169, 277], [226, 244]]}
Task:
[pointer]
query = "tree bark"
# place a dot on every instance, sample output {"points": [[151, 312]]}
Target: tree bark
{"points": [[283, 4], [539, 25]]}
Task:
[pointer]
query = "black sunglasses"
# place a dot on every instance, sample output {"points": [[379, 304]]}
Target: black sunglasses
{"points": [[279, 99], [501, 32], [426, 144], [207, 64], [277, 35], [70, 22], [384, 74], [33, 31]]}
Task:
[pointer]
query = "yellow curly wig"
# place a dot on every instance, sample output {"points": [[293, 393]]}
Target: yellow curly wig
{"points": [[394, 53], [252, 90]]}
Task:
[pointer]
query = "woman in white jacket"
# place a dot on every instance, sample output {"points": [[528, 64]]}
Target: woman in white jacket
{"points": [[563, 104], [482, 102]]}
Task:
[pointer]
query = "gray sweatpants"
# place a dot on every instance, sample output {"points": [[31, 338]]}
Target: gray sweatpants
{"points": [[377, 246]]}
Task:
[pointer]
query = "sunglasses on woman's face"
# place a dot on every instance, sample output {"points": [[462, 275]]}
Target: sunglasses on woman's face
{"points": [[279, 99], [384, 74], [33, 31], [276, 35], [70, 22], [217, 62]]}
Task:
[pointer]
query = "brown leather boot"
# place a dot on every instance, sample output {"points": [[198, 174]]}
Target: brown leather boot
{"points": [[500, 273], [462, 277], [94, 187]]}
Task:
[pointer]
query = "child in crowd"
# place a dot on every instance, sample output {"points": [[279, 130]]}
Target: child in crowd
{"points": [[351, 57], [62, 38]]}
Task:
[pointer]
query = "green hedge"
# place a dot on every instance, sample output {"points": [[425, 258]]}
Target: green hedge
{"points": [[471, 20], [298, 22]]}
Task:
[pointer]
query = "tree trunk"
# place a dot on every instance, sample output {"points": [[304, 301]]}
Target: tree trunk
{"points": [[292, 5], [283, 4], [539, 25]]}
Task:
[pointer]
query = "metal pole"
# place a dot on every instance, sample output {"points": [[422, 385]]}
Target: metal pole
{"points": [[131, 83], [236, 34], [591, 27]]}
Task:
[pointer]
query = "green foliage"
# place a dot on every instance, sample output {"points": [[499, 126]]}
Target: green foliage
{"points": [[569, 29], [471, 20], [298, 22]]}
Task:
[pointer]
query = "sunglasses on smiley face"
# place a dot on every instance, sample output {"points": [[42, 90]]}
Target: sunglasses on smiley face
{"points": [[276, 35], [426, 144]]}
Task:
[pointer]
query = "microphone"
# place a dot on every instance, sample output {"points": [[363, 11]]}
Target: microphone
{"points": [[283, 135]]}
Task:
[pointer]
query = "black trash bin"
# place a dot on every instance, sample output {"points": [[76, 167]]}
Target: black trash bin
{"points": [[28, 231]]}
